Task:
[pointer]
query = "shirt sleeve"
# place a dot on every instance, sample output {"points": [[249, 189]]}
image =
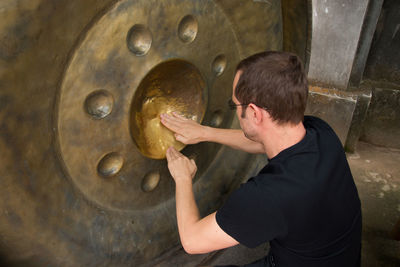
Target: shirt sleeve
{"points": [[251, 215]]}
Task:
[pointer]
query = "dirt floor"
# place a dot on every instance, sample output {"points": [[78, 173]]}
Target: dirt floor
{"points": [[376, 171], [377, 174]]}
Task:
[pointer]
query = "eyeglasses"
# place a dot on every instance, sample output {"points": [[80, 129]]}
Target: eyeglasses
{"points": [[233, 106]]}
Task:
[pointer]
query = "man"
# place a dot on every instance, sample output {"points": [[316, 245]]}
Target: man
{"points": [[304, 201]]}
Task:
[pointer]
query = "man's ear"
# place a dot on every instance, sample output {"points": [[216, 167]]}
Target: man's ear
{"points": [[256, 113]]}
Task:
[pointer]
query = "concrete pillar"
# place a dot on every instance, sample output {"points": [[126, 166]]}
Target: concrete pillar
{"points": [[335, 36]]}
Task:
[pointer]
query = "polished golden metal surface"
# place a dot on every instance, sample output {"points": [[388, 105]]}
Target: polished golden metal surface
{"points": [[172, 86], [77, 115]]}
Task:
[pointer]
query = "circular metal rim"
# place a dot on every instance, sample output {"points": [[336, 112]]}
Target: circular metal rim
{"points": [[184, 53]]}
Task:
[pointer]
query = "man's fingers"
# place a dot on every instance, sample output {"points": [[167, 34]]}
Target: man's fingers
{"points": [[180, 138], [172, 154], [170, 124], [179, 117], [175, 125], [176, 153], [174, 117], [168, 155]]}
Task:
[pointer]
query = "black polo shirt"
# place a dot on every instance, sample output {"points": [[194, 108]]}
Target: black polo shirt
{"points": [[304, 201]]}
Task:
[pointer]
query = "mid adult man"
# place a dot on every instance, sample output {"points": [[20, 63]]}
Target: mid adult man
{"points": [[304, 201]]}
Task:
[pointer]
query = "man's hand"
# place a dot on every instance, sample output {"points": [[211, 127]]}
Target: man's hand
{"points": [[180, 167], [197, 235], [186, 131]]}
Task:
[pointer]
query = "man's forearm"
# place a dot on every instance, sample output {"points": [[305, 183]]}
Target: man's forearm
{"points": [[232, 137], [187, 212], [190, 132]]}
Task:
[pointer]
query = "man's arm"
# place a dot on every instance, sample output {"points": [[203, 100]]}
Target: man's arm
{"points": [[190, 132], [197, 235]]}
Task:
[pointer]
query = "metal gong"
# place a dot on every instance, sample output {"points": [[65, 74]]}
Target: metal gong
{"points": [[83, 175], [172, 86]]}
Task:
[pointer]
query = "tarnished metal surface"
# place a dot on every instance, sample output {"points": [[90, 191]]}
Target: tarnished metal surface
{"points": [[78, 184], [142, 65]]}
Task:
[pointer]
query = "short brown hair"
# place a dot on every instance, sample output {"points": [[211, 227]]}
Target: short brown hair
{"points": [[276, 82]]}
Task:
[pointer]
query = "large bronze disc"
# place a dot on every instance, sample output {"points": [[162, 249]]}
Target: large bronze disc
{"points": [[83, 179]]}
